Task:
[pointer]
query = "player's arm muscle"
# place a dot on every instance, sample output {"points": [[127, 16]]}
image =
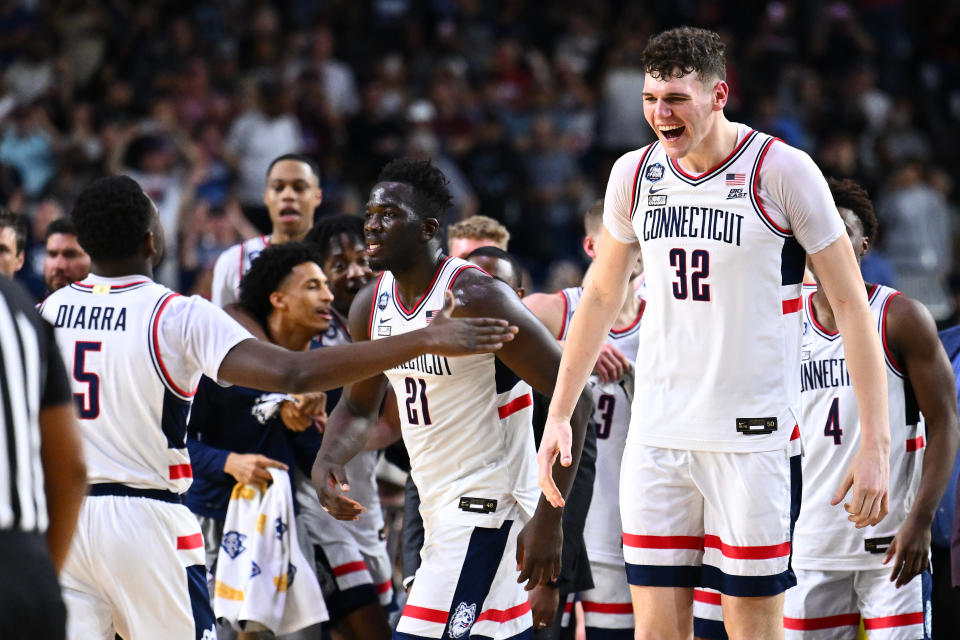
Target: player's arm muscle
{"points": [[913, 336]]}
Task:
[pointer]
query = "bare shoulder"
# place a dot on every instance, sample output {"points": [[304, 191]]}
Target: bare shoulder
{"points": [[550, 309], [359, 320]]}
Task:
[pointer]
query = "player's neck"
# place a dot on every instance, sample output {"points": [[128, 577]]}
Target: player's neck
{"points": [[629, 310], [415, 278], [719, 142], [288, 334], [121, 268], [279, 237]]}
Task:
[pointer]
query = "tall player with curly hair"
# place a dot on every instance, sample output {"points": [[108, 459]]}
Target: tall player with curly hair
{"points": [[724, 216]]}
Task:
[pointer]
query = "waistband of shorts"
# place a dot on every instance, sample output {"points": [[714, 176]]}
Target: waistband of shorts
{"points": [[122, 490]]}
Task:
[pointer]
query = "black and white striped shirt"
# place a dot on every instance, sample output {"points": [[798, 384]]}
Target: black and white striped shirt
{"points": [[32, 377]]}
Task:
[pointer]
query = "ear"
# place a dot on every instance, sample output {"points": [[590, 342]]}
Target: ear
{"points": [[151, 246], [277, 301], [589, 247], [721, 93], [429, 228], [319, 197], [20, 258], [865, 245]]}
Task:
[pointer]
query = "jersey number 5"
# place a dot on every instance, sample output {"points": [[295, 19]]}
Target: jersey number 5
{"points": [[88, 404], [832, 428], [699, 271], [413, 391]]}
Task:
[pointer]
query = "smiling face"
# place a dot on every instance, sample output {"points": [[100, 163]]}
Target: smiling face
{"points": [[683, 111], [292, 195], [392, 229], [304, 298], [348, 267]]}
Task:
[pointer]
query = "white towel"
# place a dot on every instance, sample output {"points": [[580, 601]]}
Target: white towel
{"points": [[263, 580]]}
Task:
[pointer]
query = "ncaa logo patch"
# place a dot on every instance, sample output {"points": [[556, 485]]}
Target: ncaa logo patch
{"points": [[382, 301], [654, 172], [233, 543], [463, 619]]}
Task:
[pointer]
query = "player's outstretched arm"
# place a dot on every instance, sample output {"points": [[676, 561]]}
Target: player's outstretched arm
{"points": [[912, 336], [869, 473], [259, 365], [596, 313]]}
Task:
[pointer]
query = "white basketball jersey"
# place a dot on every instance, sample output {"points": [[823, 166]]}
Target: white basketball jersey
{"points": [[602, 532], [824, 538], [466, 421], [723, 271], [230, 268], [137, 350]]}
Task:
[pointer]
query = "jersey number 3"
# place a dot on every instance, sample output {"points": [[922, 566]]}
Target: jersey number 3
{"points": [[88, 404], [699, 271]]}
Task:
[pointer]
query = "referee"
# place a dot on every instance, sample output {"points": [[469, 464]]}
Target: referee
{"points": [[42, 476]]}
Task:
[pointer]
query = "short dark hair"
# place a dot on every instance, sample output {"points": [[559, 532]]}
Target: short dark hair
{"points": [[850, 195], [297, 157], [268, 272], [16, 222], [112, 215], [330, 227], [428, 183], [677, 52], [60, 225], [490, 251]]}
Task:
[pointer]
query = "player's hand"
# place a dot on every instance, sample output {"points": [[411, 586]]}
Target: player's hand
{"points": [[910, 551], [544, 601], [869, 475], [251, 468], [464, 336], [330, 481], [611, 364], [556, 441], [539, 548], [304, 410]]}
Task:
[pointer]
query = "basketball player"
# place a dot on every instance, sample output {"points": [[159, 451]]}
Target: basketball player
{"points": [[724, 216], [293, 193], [137, 351], [608, 613], [466, 423]]}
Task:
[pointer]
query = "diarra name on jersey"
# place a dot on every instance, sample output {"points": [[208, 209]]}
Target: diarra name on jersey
{"points": [[91, 318]]}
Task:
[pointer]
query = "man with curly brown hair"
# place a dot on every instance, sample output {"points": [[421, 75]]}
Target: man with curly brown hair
{"points": [[725, 217]]}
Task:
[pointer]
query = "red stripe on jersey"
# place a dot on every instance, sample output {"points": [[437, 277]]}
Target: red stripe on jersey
{"points": [[812, 311], [883, 332], [915, 444], [607, 607], [563, 321], [156, 348], [373, 306], [886, 622], [568, 607], [178, 471], [515, 405], [384, 587], [350, 567], [795, 434], [707, 597], [423, 613], [756, 194], [113, 287], [765, 552], [663, 542], [636, 321], [190, 542], [505, 615], [676, 165], [792, 305], [828, 622]]}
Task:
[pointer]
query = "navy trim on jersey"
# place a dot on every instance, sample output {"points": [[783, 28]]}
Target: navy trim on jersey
{"points": [[341, 602], [600, 633], [649, 575], [755, 197], [114, 288], [709, 629], [410, 314], [635, 193], [126, 491], [505, 378], [817, 327], [203, 618], [747, 586], [793, 260], [717, 170], [173, 420], [373, 306]]}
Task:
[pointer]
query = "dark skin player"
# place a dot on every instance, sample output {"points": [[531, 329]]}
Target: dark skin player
{"points": [[912, 338], [406, 242]]}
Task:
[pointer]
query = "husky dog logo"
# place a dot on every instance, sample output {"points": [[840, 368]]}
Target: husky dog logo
{"points": [[463, 619], [233, 543]]}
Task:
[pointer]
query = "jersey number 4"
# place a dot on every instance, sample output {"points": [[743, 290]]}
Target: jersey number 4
{"points": [[699, 271], [88, 404], [832, 428], [417, 391]]}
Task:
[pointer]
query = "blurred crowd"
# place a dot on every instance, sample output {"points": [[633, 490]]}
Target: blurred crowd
{"points": [[524, 105]]}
